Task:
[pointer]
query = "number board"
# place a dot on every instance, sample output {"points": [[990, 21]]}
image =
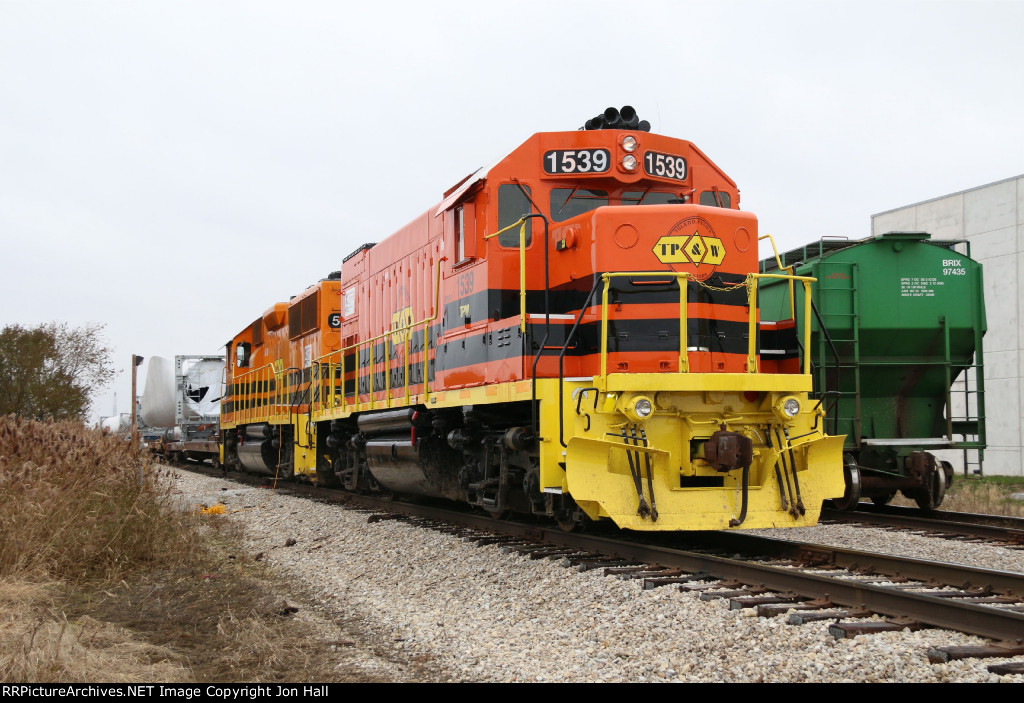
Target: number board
{"points": [[577, 161], [665, 165]]}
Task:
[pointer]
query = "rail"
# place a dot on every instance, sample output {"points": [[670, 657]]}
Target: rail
{"points": [[788, 269], [258, 396], [331, 385], [521, 223], [682, 279]]}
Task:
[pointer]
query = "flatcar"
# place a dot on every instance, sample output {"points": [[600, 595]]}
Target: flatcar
{"points": [[180, 408], [898, 319], [573, 332]]}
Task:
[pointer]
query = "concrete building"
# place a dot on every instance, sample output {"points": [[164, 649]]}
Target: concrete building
{"points": [[991, 219]]}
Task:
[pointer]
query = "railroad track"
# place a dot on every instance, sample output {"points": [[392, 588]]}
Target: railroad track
{"points": [[809, 582], [999, 530]]}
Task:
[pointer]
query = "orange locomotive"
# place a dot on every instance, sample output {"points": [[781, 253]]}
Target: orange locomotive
{"points": [[571, 332], [265, 404]]}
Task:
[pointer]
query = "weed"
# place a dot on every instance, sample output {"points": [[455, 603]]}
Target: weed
{"points": [[104, 577], [987, 494]]}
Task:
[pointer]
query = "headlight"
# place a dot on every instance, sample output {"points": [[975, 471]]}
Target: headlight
{"points": [[787, 408], [629, 143], [639, 408], [629, 162]]}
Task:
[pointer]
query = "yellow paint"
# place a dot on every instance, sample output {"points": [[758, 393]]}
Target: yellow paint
{"points": [[401, 322], [689, 249], [666, 447], [689, 408], [687, 492]]}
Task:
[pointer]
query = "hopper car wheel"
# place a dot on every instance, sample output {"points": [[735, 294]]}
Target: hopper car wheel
{"points": [[947, 471], [499, 514], [883, 500], [930, 497], [851, 474]]}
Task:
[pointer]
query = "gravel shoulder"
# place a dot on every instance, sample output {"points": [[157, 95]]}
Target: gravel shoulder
{"points": [[429, 606]]}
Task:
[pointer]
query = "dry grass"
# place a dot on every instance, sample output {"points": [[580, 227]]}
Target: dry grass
{"points": [[38, 643], [989, 494], [102, 579], [72, 505]]}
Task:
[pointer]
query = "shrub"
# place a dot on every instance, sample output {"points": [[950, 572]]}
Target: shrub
{"points": [[76, 504]]}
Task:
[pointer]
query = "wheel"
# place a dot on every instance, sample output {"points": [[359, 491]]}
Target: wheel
{"points": [[883, 500], [851, 473], [930, 497], [947, 472], [325, 476], [940, 487], [573, 520]]}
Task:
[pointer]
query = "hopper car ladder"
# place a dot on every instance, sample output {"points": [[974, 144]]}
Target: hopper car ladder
{"points": [[849, 425], [969, 426]]}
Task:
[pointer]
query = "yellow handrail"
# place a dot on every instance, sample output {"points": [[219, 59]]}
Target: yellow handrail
{"points": [[522, 266], [406, 330], [778, 262], [752, 319], [681, 277], [752, 351], [263, 375], [807, 281]]}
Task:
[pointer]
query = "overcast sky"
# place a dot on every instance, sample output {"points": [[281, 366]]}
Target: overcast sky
{"points": [[171, 169]]}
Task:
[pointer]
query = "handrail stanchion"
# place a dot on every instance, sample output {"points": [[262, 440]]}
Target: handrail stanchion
{"points": [[752, 324], [606, 279], [684, 289], [521, 222], [808, 305]]}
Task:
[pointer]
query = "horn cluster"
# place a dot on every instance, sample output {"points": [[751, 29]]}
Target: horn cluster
{"points": [[618, 119]]}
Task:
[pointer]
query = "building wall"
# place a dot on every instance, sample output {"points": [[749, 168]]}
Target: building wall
{"points": [[991, 219]]}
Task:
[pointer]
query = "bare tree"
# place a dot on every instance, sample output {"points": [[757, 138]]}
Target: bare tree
{"points": [[52, 371]]}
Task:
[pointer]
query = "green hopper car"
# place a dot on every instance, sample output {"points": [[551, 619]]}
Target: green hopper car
{"points": [[896, 355]]}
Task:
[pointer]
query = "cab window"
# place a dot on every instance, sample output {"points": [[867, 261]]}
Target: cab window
{"points": [[460, 235], [242, 354], [569, 202], [708, 197], [513, 203]]}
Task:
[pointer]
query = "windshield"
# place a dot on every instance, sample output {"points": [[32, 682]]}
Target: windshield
{"points": [[650, 197], [569, 202]]}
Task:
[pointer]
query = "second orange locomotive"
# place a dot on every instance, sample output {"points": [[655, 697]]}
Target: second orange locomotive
{"points": [[572, 332]]}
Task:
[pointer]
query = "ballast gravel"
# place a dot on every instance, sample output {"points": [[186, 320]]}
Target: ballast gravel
{"points": [[430, 602]]}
